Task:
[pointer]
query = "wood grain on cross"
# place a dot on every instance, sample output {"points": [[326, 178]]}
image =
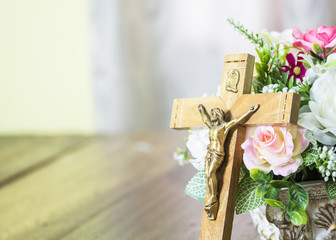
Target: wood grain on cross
{"points": [[234, 98]]}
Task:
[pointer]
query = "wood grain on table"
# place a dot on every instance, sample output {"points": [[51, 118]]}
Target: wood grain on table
{"points": [[99, 187]]}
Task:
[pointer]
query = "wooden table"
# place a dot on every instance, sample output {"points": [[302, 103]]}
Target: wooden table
{"points": [[99, 187]]}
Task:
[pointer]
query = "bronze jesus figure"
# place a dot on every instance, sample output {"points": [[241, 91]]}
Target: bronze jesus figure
{"points": [[219, 130]]}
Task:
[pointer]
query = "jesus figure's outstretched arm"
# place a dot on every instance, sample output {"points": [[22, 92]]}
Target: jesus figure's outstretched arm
{"points": [[243, 118]]}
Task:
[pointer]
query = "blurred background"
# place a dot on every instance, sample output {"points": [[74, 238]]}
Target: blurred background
{"points": [[112, 66]]}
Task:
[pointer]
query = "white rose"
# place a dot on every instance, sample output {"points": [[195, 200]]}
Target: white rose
{"points": [[197, 144], [310, 76], [320, 116]]}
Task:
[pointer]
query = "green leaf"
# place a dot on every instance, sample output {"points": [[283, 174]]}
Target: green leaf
{"points": [[266, 59], [331, 190], [296, 214], [291, 82], [292, 206], [281, 85], [265, 36], [285, 77], [272, 193], [305, 63], [269, 80], [274, 203], [259, 54], [298, 217], [309, 160], [243, 172], [196, 187], [247, 199], [286, 49], [310, 136], [317, 48], [316, 57], [259, 69], [311, 167], [330, 50], [276, 74], [279, 183], [299, 194], [261, 190], [267, 49], [264, 66], [258, 175], [331, 63]]}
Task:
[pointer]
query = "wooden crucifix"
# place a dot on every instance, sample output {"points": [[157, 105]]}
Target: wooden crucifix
{"points": [[234, 99]]}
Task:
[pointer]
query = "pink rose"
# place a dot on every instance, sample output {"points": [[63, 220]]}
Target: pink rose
{"points": [[276, 148], [324, 36]]}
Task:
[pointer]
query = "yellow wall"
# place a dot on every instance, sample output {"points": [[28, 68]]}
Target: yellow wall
{"points": [[45, 67]]}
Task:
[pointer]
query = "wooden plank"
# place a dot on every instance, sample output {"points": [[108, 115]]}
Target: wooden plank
{"points": [[228, 186], [25, 154]]}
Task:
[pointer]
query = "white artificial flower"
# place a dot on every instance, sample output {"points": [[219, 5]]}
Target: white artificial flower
{"points": [[285, 37], [320, 114], [179, 158], [271, 88], [310, 76], [265, 89], [317, 70], [197, 144]]}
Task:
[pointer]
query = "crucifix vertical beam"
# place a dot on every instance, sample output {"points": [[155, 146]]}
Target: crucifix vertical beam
{"points": [[236, 80]]}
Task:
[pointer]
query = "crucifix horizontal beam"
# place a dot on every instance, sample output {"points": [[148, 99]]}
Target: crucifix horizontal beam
{"points": [[279, 108]]}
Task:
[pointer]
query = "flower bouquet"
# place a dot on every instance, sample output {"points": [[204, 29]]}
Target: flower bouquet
{"points": [[281, 157]]}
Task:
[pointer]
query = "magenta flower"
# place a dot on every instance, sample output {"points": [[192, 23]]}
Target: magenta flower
{"points": [[295, 68]]}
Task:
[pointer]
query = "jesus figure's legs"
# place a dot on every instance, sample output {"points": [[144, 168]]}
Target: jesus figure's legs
{"points": [[213, 161]]}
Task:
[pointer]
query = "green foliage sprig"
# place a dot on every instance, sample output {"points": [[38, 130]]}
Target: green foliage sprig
{"points": [[252, 37], [269, 190]]}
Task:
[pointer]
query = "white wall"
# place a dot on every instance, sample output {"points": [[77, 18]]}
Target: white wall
{"points": [[45, 68], [86, 66], [170, 49]]}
